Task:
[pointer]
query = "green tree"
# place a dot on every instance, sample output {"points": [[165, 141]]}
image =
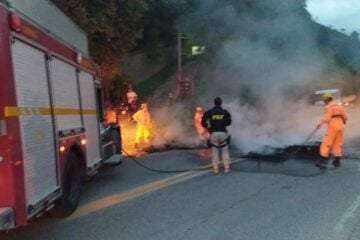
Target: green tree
{"points": [[119, 87], [113, 26], [160, 25]]}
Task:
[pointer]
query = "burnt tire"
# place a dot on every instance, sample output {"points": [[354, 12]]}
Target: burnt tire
{"points": [[69, 201]]}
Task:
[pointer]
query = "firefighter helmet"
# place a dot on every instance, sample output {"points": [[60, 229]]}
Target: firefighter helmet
{"points": [[327, 97]]}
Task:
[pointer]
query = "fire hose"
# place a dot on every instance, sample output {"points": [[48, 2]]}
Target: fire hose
{"points": [[291, 155], [164, 171], [159, 170], [226, 142], [169, 171]]}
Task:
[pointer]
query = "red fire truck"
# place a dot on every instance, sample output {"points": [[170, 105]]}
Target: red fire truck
{"points": [[50, 114]]}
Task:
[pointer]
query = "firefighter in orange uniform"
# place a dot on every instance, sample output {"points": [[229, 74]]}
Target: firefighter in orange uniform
{"points": [[143, 119], [202, 132], [335, 116]]}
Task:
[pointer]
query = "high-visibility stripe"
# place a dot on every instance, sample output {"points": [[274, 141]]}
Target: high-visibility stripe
{"points": [[26, 111], [89, 111], [66, 111]]}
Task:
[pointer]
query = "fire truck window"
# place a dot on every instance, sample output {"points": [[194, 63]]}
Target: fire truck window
{"points": [[100, 107]]}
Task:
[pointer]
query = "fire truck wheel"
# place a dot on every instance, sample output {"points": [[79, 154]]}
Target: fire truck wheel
{"points": [[69, 201]]}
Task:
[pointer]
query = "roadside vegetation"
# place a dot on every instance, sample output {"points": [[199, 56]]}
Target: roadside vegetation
{"points": [[119, 27]]}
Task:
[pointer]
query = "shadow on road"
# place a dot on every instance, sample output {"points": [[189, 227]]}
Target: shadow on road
{"points": [[290, 167]]}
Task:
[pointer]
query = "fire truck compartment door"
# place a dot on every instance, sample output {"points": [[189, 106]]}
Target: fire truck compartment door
{"points": [[66, 95], [36, 124], [91, 122]]}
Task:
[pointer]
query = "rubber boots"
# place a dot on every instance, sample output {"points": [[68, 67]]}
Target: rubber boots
{"points": [[215, 169], [227, 169], [336, 162], [322, 162]]}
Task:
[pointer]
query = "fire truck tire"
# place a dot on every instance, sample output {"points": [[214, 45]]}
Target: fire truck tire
{"points": [[69, 201]]}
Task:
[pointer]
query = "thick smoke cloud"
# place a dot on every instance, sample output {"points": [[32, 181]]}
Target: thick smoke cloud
{"points": [[265, 63]]}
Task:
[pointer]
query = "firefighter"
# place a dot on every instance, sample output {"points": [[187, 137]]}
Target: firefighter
{"points": [[143, 119], [110, 116], [335, 117], [202, 132], [216, 120], [132, 100]]}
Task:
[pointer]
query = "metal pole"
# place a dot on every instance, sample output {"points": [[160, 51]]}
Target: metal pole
{"points": [[179, 53]]}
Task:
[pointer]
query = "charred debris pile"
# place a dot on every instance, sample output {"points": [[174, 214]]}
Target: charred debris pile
{"points": [[309, 150], [268, 153]]}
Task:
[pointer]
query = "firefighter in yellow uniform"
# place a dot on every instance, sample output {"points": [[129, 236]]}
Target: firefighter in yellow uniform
{"points": [[335, 117], [143, 119]]}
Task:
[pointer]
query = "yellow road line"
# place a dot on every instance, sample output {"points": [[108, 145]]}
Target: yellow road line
{"points": [[135, 192]]}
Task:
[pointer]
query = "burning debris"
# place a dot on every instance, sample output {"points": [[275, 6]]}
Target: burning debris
{"points": [[171, 132], [310, 150]]}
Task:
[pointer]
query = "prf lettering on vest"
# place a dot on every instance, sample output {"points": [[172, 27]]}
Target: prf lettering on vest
{"points": [[217, 117]]}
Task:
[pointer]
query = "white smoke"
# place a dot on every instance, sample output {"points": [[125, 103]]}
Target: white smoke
{"points": [[279, 80], [266, 71], [174, 126], [252, 129]]}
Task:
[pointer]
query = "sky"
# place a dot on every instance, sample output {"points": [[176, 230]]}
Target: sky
{"points": [[340, 14]]}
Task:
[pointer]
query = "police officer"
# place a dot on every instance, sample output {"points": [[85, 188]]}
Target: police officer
{"points": [[216, 120]]}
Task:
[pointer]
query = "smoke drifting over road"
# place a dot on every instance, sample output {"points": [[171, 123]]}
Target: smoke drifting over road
{"points": [[265, 62]]}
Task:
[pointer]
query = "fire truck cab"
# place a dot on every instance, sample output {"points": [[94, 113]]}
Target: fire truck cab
{"points": [[51, 110]]}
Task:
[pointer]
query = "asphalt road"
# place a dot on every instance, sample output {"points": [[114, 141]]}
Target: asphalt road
{"points": [[256, 201]]}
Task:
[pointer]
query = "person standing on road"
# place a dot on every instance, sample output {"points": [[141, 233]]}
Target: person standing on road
{"points": [[335, 117], [216, 120], [132, 100], [110, 116], [202, 132], [143, 119]]}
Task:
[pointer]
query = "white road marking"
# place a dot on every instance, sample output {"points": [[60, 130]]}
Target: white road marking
{"points": [[347, 215]]}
